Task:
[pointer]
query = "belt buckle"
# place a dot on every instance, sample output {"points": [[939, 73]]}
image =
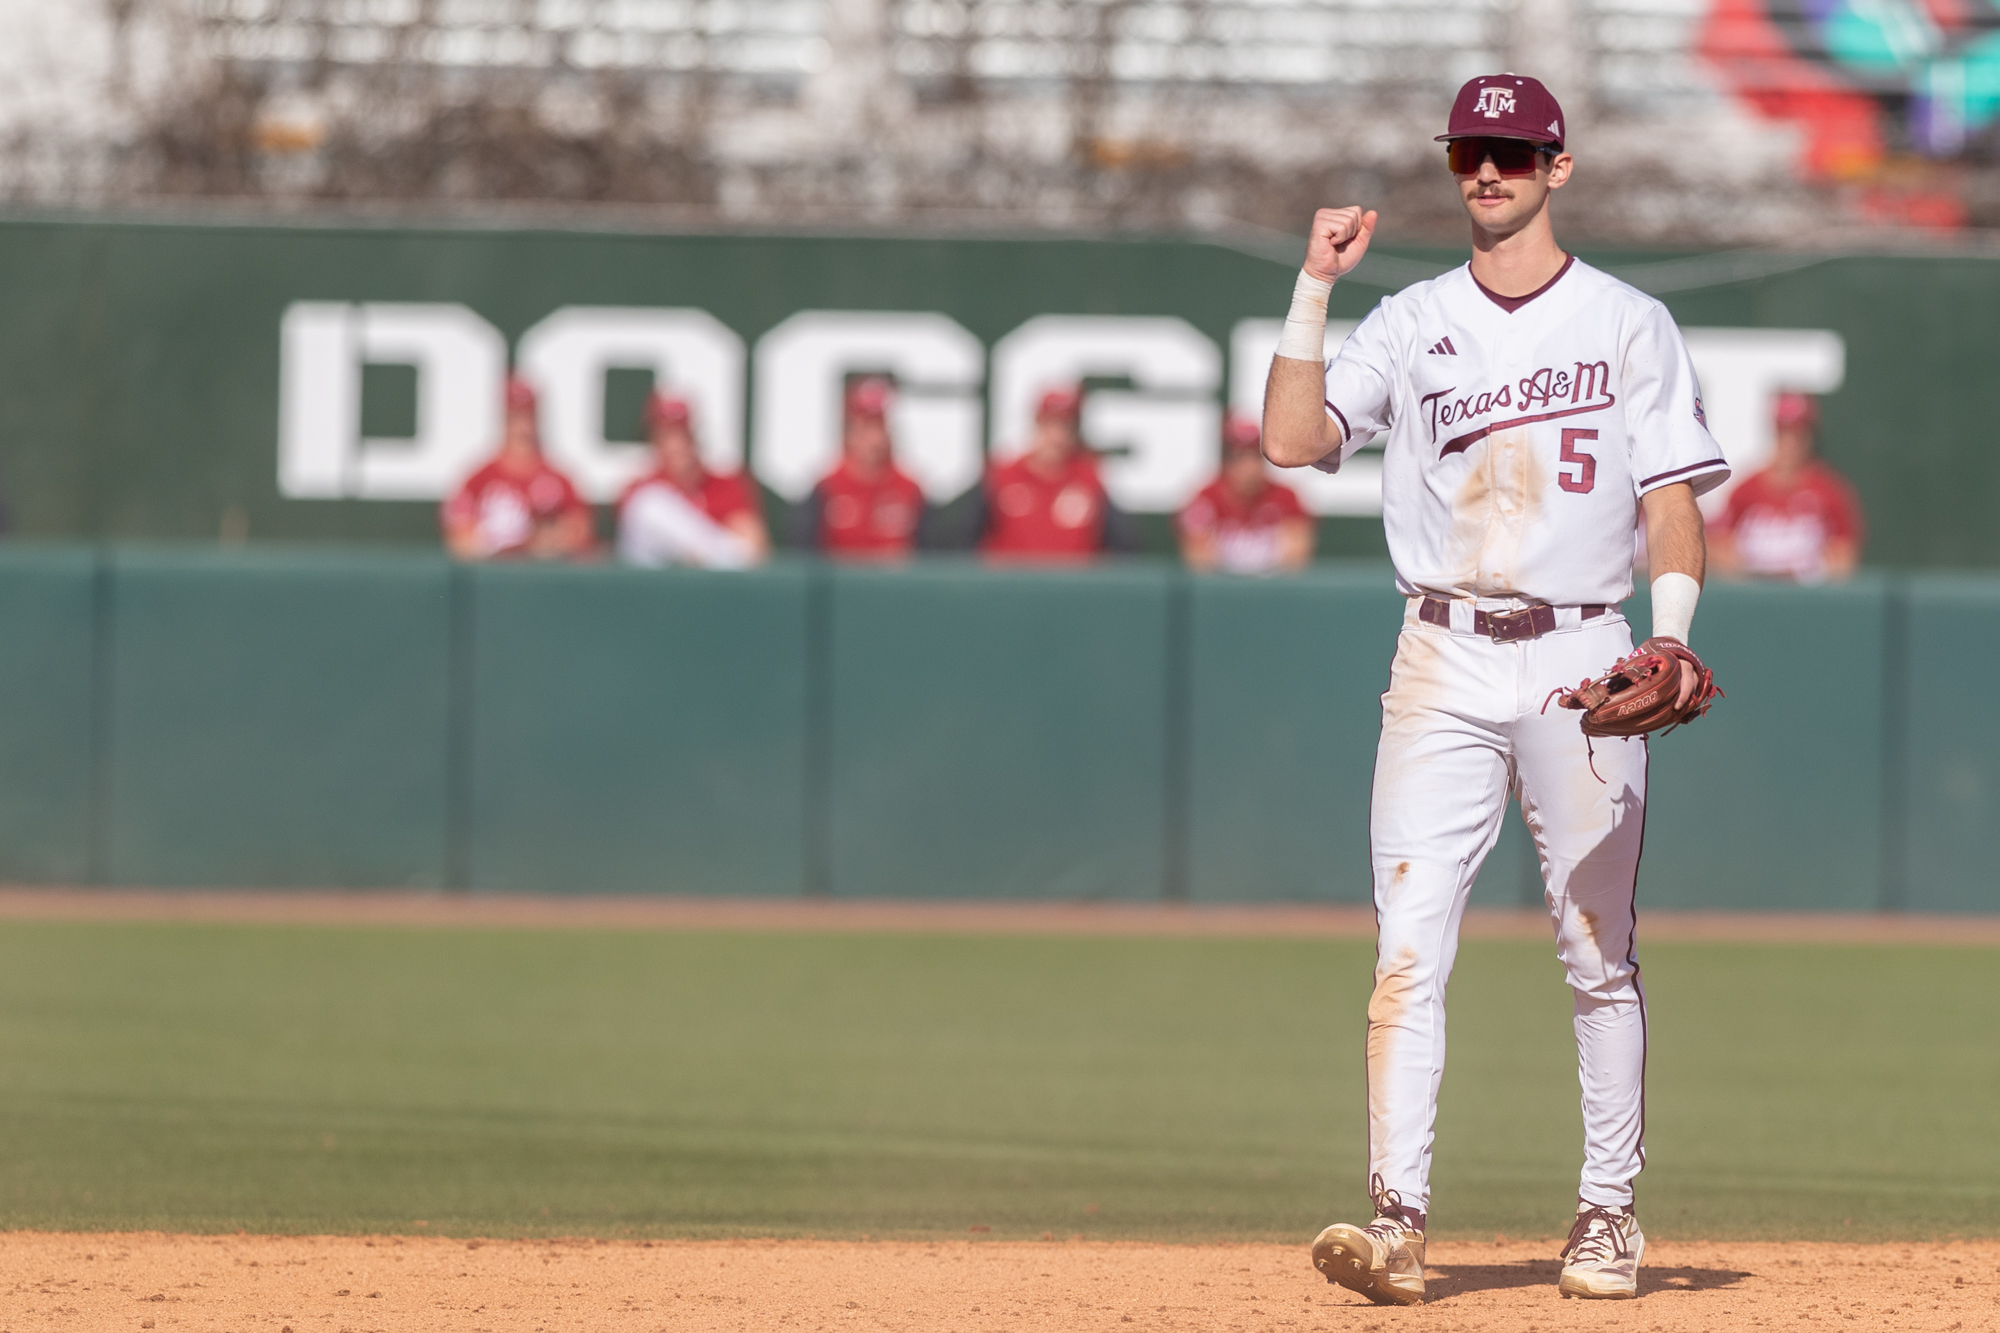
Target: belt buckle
{"points": [[1511, 626]]}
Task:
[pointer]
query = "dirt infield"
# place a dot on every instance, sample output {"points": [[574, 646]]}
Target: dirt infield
{"points": [[802, 914], [250, 1284]]}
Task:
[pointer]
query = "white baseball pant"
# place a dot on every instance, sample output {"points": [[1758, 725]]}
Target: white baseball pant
{"points": [[1462, 725]]}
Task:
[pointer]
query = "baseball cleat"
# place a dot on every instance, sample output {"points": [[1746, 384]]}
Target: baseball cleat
{"points": [[1384, 1260], [1603, 1250]]}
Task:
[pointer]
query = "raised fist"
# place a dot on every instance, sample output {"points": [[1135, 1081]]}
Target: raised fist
{"points": [[1339, 238]]}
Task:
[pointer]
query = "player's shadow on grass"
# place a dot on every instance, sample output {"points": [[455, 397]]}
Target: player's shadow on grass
{"points": [[1448, 1280]]}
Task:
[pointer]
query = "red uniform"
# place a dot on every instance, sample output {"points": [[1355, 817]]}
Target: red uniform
{"points": [[508, 509], [1031, 517], [1783, 533], [865, 518], [721, 495], [1245, 531]]}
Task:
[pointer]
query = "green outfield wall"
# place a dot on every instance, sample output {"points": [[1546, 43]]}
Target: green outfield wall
{"points": [[1002, 734], [303, 381], [282, 720], [621, 732], [336, 718]]}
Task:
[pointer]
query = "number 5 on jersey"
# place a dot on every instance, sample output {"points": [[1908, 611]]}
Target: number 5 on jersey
{"points": [[1586, 475]]}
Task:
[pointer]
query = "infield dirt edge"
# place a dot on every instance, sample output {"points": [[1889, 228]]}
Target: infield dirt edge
{"points": [[670, 913], [389, 1284]]}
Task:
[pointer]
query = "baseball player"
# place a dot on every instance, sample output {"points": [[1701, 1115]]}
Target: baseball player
{"points": [[680, 513], [517, 505], [866, 508], [1797, 518], [1243, 522], [1049, 504], [1534, 406]]}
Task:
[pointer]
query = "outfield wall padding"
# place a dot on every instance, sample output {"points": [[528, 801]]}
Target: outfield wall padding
{"points": [[272, 718], [1283, 679], [1776, 799], [277, 720], [1946, 790], [633, 733], [999, 734], [49, 736]]}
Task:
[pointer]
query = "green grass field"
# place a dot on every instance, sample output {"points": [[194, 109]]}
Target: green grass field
{"points": [[504, 1082]]}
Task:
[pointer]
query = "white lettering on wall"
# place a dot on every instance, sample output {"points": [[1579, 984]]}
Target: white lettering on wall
{"points": [[319, 400], [802, 368], [1742, 372], [460, 361], [1160, 438], [691, 354]]}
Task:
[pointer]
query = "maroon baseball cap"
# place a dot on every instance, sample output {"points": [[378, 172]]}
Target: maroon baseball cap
{"points": [[869, 397], [666, 410], [1505, 106], [1064, 403], [519, 395], [1796, 409], [1240, 434]]}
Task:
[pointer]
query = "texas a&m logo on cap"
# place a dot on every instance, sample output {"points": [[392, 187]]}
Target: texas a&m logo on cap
{"points": [[1505, 106]]}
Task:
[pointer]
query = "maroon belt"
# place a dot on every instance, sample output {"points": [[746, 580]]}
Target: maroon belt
{"points": [[1530, 622]]}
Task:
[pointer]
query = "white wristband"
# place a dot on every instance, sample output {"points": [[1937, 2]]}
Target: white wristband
{"points": [[1304, 338], [1674, 596]]}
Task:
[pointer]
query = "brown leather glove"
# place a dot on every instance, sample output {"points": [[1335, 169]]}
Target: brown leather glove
{"points": [[1636, 697]]}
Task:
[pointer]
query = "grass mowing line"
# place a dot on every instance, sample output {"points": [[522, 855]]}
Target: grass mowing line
{"points": [[204, 1077]]}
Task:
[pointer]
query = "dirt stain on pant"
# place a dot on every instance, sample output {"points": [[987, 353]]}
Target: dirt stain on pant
{"points": [[1394, 888], [1417, 684], [1395, 984], [1417, 691]]}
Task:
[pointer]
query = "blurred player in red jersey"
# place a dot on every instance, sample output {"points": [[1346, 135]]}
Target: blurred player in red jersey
{"points": [[680, 513], [1049, 503], [1797, 519], [1243, 522], [866, 508], [517, 505]]}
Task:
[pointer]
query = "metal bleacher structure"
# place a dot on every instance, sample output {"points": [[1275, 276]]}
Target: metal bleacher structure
{"points": [[1022, 106], [1361, 46]]}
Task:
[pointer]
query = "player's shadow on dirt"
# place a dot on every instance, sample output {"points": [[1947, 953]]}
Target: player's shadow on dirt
{"points": [[1448, 1280]]}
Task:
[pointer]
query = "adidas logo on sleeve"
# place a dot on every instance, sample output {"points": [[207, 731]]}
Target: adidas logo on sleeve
{"points": [[1443, 347]]}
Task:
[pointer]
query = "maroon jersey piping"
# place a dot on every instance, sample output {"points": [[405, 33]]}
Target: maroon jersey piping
{"points": [[1512, 303]]}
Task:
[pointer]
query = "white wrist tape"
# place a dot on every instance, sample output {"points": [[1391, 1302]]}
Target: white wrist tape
{"points": [[1674, 596], [1304, 338]]}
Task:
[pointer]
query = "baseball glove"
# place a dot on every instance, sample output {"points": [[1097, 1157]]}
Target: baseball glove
{"points": [[1636, 697]]}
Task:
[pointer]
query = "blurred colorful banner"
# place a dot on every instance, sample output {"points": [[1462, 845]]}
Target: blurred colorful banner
{"points": [[1867, 80]]}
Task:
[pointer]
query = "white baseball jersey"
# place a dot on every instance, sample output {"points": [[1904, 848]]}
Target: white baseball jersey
{"points": [[657, 525], [1522, 431]]}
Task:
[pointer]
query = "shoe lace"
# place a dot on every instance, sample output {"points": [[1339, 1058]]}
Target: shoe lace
{"points": [[1597, 1236], [1392, 1216]]}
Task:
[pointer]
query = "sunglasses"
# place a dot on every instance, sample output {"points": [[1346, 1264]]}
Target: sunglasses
{"points": [[1511, 157]]}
